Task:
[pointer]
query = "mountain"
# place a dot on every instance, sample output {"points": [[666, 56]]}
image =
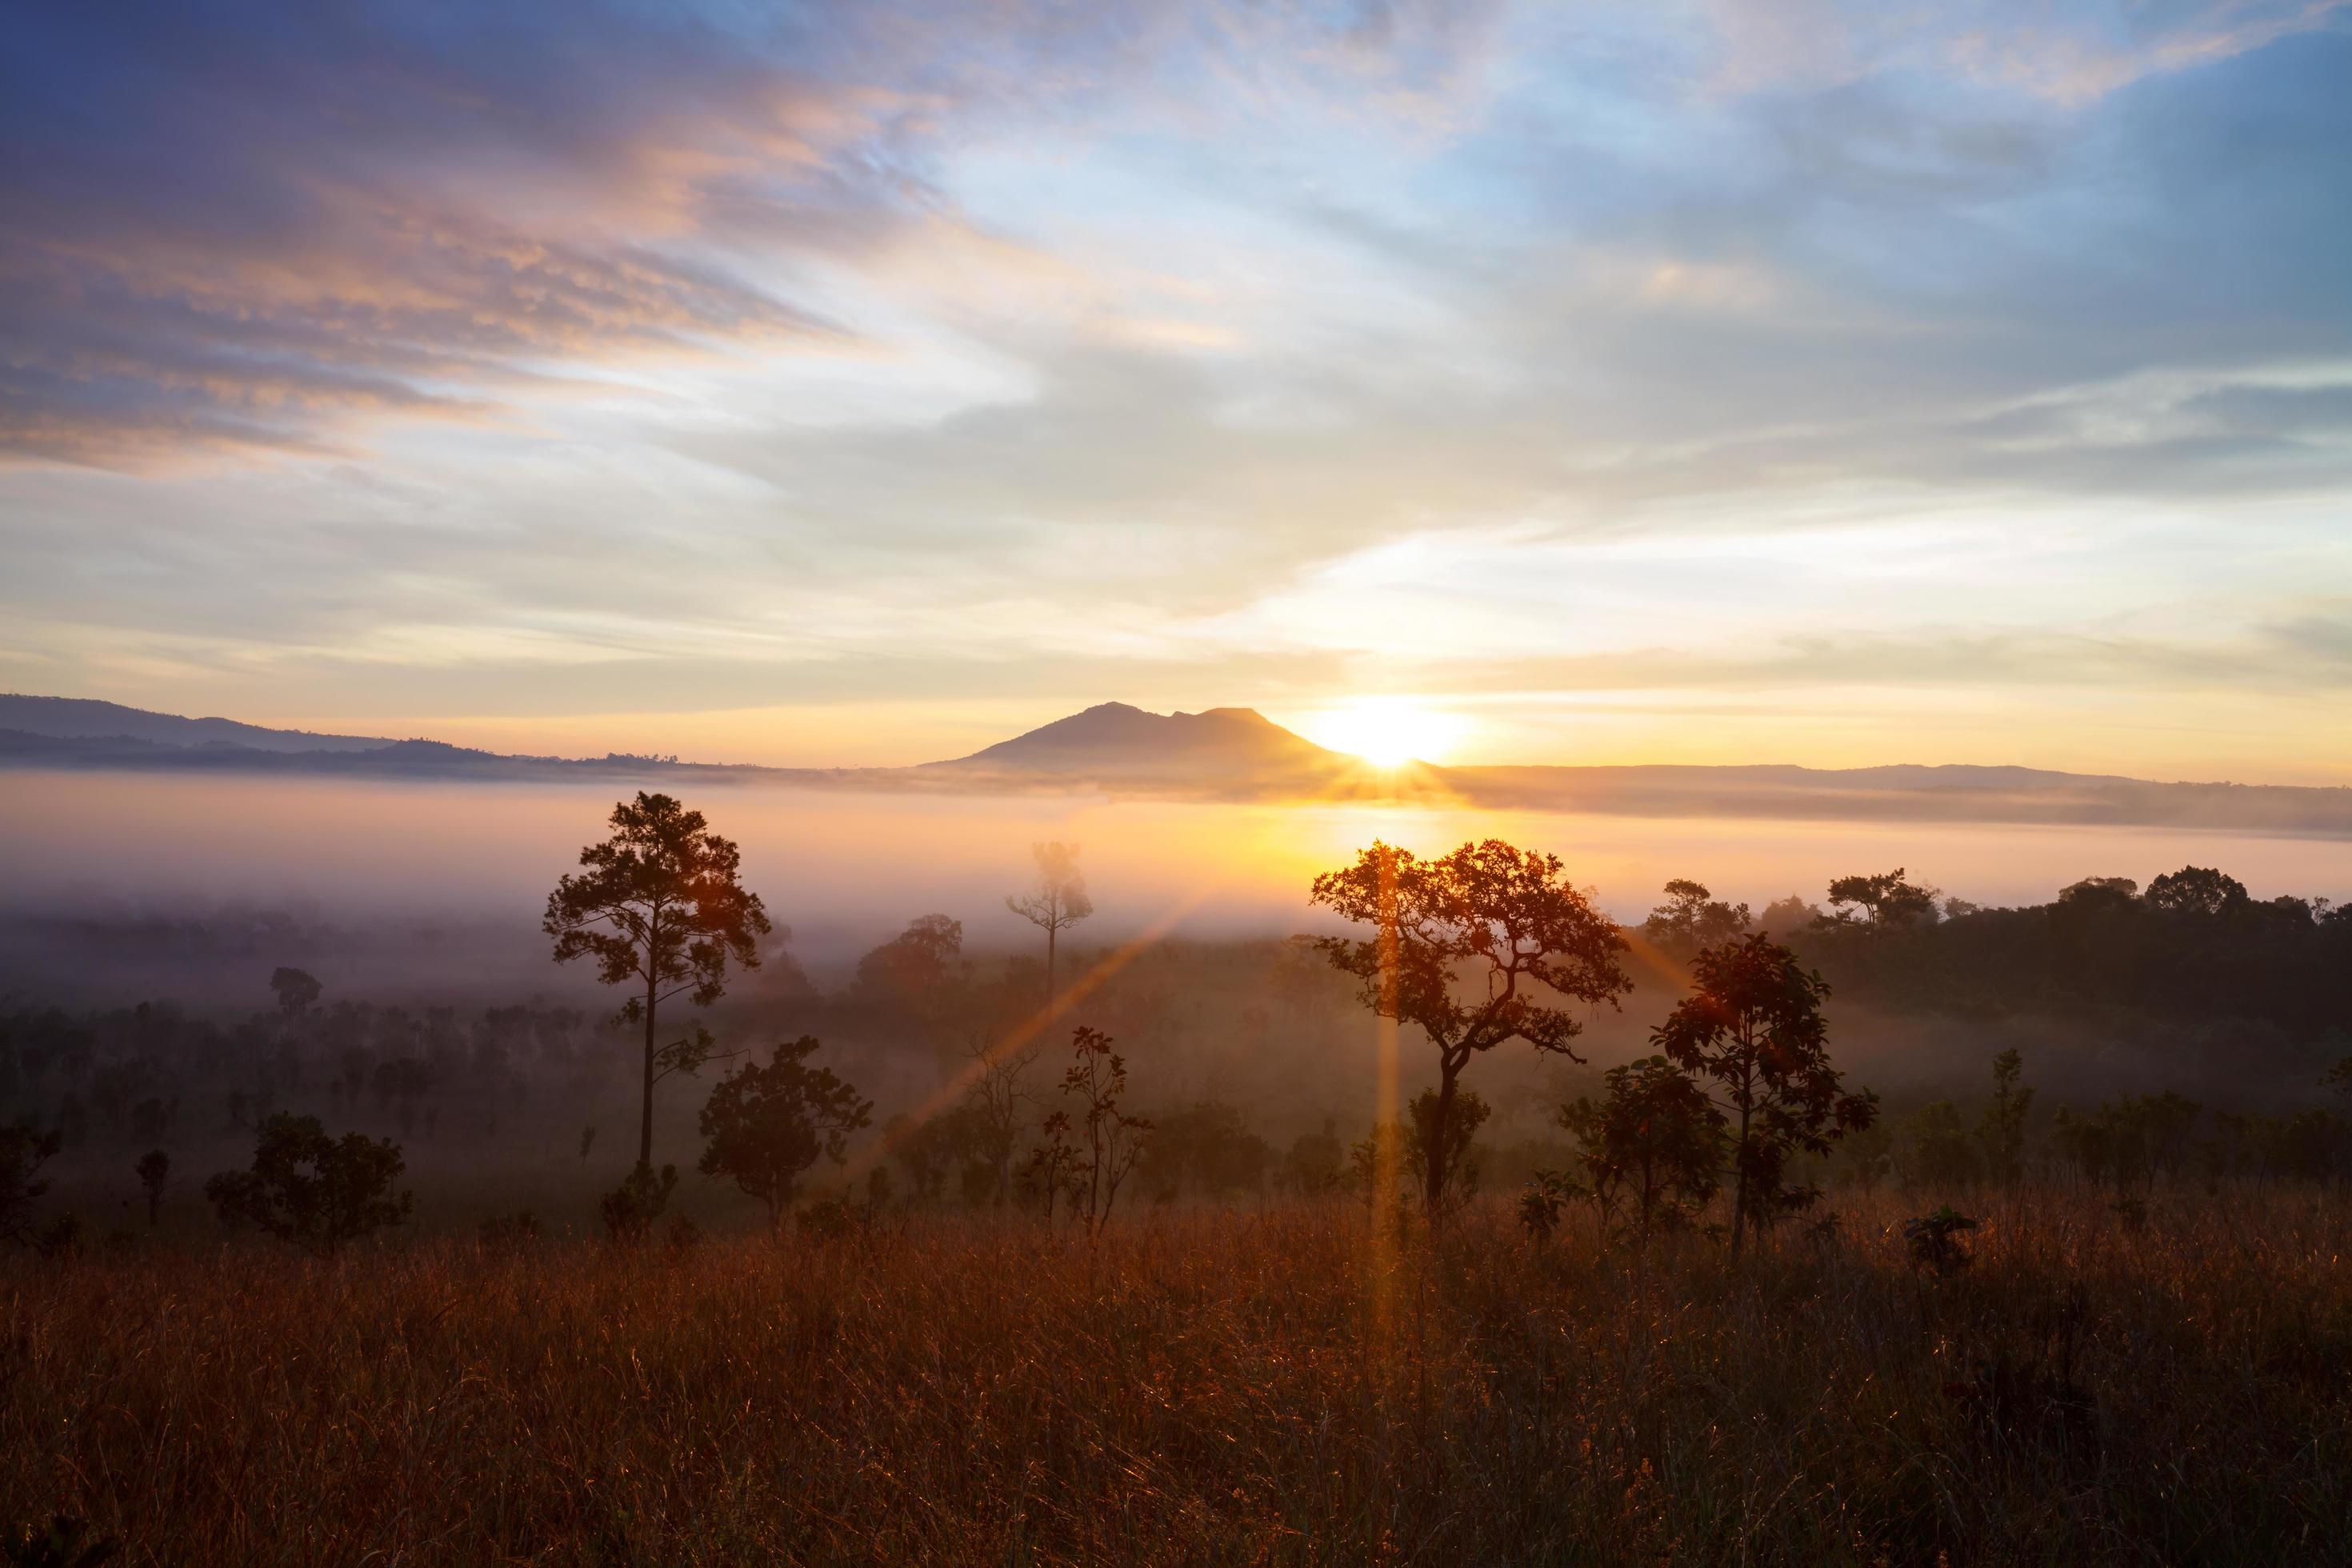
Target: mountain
{"points": [[1114, 742], [1223, 753], [81, 719]]}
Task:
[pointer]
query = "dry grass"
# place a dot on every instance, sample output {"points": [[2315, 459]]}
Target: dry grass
{"points": [[1222, 1387]]}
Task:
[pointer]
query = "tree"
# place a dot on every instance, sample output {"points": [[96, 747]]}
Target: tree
{"points": [[1937, 1151], [661, 907], [154, 1173], [1885, 899], [1653, 1142], [992, 1103], [1440, 1138], [913, 966], [1692, 917], [1753, 1025], [2002, 1130], [767, 1125], [2194, 891], [24, 1150], [1507, 915], [1056, 900], [296, 991], [1313, 1168], [312, 1190], [1093, 1171]]}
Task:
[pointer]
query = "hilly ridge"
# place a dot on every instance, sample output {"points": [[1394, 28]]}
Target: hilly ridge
{"points": [[1220, 753]]}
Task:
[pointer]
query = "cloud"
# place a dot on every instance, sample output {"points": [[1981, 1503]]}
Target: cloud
{"points": [[243, 226]]}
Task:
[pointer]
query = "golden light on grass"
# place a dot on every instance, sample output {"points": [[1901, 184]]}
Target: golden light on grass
{"points": [[1388, 732]]}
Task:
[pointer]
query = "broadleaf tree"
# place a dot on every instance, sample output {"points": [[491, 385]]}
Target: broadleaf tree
{"points": [[1752, 1026], [1485, 945], [660, 907], [769, 1122]]}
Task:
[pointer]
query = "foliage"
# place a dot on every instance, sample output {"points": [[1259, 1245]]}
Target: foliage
{"points": [[1934, 1241], [1205, 1148], [1692, 918], [1112, 1140], [1937, 1148], [1316, 1165], [766, 1125], [1652, 1145], [2130, 1142], [2101, 952], [154, 1171], [2000, 1132], [1544, 1200], [1887, 900], [1753, 1025], [659, 905], [296, 990], [2196, 890], [1507, 915], [630, 1209], [24, 1150], [315, 1191]]}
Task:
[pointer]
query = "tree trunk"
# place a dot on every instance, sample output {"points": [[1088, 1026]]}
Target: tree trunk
{"points": [[1434, 1176], [1740, 1169], [645, 1119], [1051, 931]]}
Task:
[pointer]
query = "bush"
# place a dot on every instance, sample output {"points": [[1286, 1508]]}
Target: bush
{"points": [[1935, 1241], [312, 1190], [630, 1209]]}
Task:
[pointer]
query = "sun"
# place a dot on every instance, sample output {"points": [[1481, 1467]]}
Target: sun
{"points": [[1388, 732]]}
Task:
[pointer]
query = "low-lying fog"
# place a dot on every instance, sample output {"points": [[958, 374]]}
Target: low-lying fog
{"points": [[468, 866]]}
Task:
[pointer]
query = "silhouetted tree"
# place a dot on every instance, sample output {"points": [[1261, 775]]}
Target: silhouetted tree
{"points": [[660, 907], [154, 1173], [1314, 1167], [295, 990], [1507, 915], [1112, 1139], [767, 1124], [2002, 1130], [992, 1104], [1753, 1025], [312, 1190], [1055, 902], [24, 1150], [1886, 899], [1692, 917], [1652, 1143], [630, 1209], [2194, 891]]}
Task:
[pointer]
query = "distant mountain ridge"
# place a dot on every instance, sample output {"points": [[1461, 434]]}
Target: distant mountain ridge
{"points": [[1220, 754], [85, 719]]}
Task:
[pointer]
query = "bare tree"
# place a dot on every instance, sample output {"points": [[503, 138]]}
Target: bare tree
{"points": [[1056, 900], [993, 1101]]}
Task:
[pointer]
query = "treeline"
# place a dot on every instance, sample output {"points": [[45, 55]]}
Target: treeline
{"points": [[2192, 946]]}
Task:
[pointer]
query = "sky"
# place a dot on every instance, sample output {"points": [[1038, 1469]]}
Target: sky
{"points": [[1723, 382]]}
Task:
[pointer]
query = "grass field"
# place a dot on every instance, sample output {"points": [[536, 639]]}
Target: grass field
{"points": [[1246, 1385]]}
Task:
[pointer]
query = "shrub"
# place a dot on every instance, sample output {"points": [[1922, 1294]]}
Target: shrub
{"points": [[312, 1190], [1935, 1241]]}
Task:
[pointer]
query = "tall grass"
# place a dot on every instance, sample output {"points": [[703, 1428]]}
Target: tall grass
{"points": [[1240, 1386]]}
